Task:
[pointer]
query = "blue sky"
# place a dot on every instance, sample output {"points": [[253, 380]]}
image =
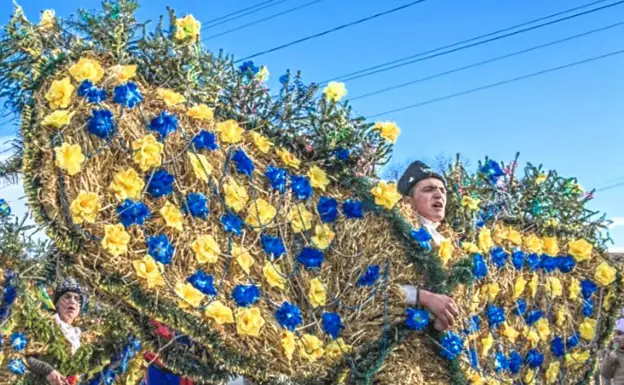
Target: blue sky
{"points": [[570, 120]]}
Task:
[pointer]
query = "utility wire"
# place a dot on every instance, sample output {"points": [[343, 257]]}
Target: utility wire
{"points": [[245, 14], [262, 20], [331, 30], [508, 81], [461, 45], [488, 61], [616, 185], [236, 12]]}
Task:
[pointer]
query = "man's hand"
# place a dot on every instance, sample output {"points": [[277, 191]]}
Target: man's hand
{"points": [[441, 306], [55, 378]]}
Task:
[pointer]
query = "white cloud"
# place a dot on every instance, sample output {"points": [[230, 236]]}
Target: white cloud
{"points": [[617, 222]]}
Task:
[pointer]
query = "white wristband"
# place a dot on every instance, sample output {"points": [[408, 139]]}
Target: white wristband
{"points": [[411, 294]]}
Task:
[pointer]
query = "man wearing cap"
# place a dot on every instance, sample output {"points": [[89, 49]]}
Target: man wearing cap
{"points": [[426, 192], [68, 300]]}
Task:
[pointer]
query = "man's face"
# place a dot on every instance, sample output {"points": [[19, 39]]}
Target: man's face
{"points": [[428, 198], [68, 307], [618, 338]]}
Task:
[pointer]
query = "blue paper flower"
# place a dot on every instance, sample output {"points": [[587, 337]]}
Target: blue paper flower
{"points": [[521, 307], [16, 366], [352, 209], [566, 264], [342, 154], [101, 124], [246, 295], [474, 358], [533, 261], [499, 256], [197, 205], [370, 276], [479, 268], [495, 316], [159, 247], [588, 307], [244, 165], [417, 319], [248, 68], [301, 187], [232, 223], [423, 237], [533, 317], [588, 288], [284, 78], [277, 178], [492, 170], [534, 358], [164, 124], [9, 293], [202, 282], [131, 212], [310, 258], [332, 324], [18, 341], [557, 346], [517, 259], [288, 316], [474, 324], [91, 92], [5, 209], [515, 362], [327, 209], [128, 95], [273, 246], [205, 140], [452, 345], [549, 264], [572, 341], [501, 363], [159, 183]]}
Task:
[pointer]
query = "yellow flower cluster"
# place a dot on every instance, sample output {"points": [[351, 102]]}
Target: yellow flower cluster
{"points": [[172, 215], [85, 207], [335, 91], [116, 239], [300, 218], [170, 97], [187, 28], [59, 94], [201, 112], [260, 213], [201, 167], [230, 131], [235, 195], [147, 152], [58, 119], [150, 270], [190, 297], [127, 184], [87, 69], [388, 130], [206, 249], [69, 157], [386, 194]]}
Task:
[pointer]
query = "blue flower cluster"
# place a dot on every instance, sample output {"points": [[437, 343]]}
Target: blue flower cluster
{"points": [[5, 209], [327, 209], [370, 276], [423, 238], [160, 248], [202, 282], [91, 92], [246, 295], [164, 124], [353, 209], [288, 316], [495, 316], [332, 324], [128, 95], [273, 246], [492, 171], [277, 178], [131, 213], [244, 165], [417, 319], [16, 366], [18, 341], [205, 140], [159, 183], [102, 124], [499, 256], [197, 205], [533, 261], [232, 223], [9, 294], [118, 365], [452, 345], [301, 187], [311, 258], [479, 269]]}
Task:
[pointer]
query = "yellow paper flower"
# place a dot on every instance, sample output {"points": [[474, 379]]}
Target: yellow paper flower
{"points": [[249, 321], [263, 74], [127, 185], [605, 274], [69, 157], [588, 329], [124, 73], [300, 218], [543, 328], [170, 97], [147, 268], [336, 348], [531, 335], [187, 28], [288, 344], [262, 142], [317, 294], [115, 239], [58, 119], [529, 377], [201, 112], [235, 195], [607, 303], [469, 247], [574, 289], [541, 178], [552, 222], [577, 359], [288, 158], [388, 130], [474, 377], [85, 207], [475, 300], [533, 285], [47, 19], [580, 249], [386, 194], [486, 345], [493, 289], [485, 239], [230, 131], [60, 93], [510, 333], [201, 167], [553, 372], [220, 313], [519, 287], [311, 348], [147, 152], [551, 247], [243, 258], [172, 215], [206, 249], [533, 243], [501, 234], [470, 202], [446, 251], [560, 316], [318, 178], [273, 275], [554, 287], [87, 69], [190, 297], [260, 213], [334, 91], [323, 236], [514, 237]]}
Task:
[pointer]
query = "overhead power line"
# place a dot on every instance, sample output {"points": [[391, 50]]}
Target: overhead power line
{"points": [[331, 30], [262, 20], [469, 43], [227, 20], [508, 81], [484, 62], [236, 12], [616, 185]]}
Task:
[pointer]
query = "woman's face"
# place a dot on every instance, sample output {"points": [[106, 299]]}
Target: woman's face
{"points": [[68, 307]]}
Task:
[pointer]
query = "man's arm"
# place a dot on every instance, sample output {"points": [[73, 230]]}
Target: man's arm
{"points": [[39, 367], [609, 364], [441, 306]]}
